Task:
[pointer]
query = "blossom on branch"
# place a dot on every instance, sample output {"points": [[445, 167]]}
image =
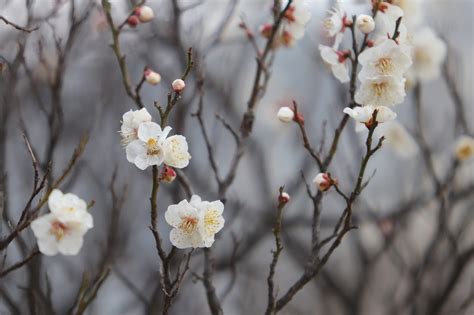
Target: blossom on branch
{"points": [[364, 114], [62, 230], [285, 114], [387, 58], [130, 122], [336, 61], [195, 222], [383, 90]]}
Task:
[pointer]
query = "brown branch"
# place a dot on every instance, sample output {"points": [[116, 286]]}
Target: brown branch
{"points": [[19, 264], [18, 27]]}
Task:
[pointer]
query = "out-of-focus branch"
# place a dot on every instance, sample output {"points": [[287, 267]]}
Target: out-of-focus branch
{"points": [[276, 255], [18, 27]]}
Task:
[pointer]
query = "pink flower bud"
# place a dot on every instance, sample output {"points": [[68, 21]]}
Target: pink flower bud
{"points": [[323, 181], [168, 174], [152, 77], [283, 198], [178, 85], [144, 13], [266, 30], [133, 21]]}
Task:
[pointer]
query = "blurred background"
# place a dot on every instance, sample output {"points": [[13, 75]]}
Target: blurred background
{"points": [[396, 262]]}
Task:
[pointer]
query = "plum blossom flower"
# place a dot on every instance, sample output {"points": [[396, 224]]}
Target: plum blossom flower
{"points": [[398, 139], [387, 58], [294, 22], [364, 114], [130, 122], [464, 148], [62, 230], [385, 23], [148, 149], [429, 53], [195, 222], [383, 90], [336, 60], [335, 24], [176, 151], [285, 114]]}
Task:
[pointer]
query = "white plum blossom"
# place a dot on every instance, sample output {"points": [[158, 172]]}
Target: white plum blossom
{"points": [[429, 53], [387, 58], [62, 230], [336, 60], [144, 13], [464, 148], [385, 23], [364, 114], [195, 222], [294, 22], [285, 114], [336, 23], [411, 11], [398, 139], [382, 90], [365, 23], [147, 150], [176, 151], [130, 122]]}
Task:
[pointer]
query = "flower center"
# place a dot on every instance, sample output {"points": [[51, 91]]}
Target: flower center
{"points": [[188, 224], [211, 221], [379, 88], [466, 151], [384, 65], [58, 229], [152, 147]]}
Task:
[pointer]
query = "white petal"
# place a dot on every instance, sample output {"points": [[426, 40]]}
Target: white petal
{"points": [[341, 72], [175, 213], [55, 200], [134, 149], [71, 243], [48, 246], [176, 151], [149, 130], [183, 240], [328, 55], [42, 225]]}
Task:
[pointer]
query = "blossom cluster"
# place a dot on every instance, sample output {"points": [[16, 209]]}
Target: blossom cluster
{"points": [[63, 229], [147, 144], [292, 25], [194, 222]]}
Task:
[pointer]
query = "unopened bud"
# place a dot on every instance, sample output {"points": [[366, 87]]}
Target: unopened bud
{"points": [[285, 114], [370, 43], [283, 198], [178, 85], [365, 23], [266, 30], [152, 77], [168, 174], [323, 181], [144, 13], [133, 21]]}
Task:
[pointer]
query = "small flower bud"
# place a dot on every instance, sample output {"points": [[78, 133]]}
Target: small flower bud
{"points": [[323, 181], [365, 23], [178, 85], [152, 77], [283, 198], [266, 30], [168, 174], [370, 43], [285, 114], [144, 13], [133, 21], [464, 148]]}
